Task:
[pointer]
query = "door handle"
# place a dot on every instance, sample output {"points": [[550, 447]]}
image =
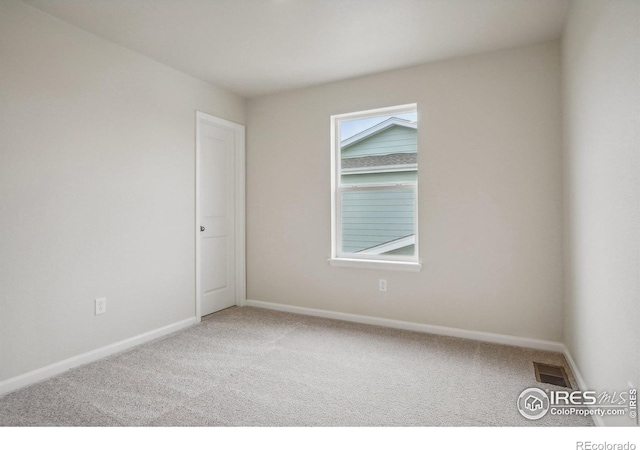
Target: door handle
{"points": [[201, 228]]}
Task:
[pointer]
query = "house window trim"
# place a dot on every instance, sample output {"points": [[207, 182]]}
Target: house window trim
{"points": [[367, 261], [375, 264]]}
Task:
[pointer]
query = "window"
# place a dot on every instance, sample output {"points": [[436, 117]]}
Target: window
{"points": [[374, 188]]}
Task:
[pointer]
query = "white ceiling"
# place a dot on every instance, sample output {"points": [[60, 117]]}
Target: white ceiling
{"points": [[256, 47]]}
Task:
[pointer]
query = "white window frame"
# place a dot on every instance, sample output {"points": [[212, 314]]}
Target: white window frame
{"points": [[366, 260]]}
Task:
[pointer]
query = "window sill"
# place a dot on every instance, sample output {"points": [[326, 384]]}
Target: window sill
{"points": [[376, 264]]}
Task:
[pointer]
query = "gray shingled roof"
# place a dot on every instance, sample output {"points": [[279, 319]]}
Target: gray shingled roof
{"points": [[392, 159]]}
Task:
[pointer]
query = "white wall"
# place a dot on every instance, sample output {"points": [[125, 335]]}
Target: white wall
{"points": [[96, 189], [601, 72], [490, 195]]}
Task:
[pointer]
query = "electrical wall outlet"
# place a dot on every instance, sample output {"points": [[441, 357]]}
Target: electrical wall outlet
{"points": [[382, 285], [101, 306]]}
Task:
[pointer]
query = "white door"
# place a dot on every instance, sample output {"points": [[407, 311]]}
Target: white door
{"points": [[218, 143]]}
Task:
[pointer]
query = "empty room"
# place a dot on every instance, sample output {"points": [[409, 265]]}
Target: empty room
{"points": [[305, 213]]}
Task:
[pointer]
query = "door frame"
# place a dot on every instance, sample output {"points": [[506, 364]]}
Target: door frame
{"points": [[239, 208]]}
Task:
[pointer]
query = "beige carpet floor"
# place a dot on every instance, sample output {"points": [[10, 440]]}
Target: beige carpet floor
{"points": [[249, 366]]}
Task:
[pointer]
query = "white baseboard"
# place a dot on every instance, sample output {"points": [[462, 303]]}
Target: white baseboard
{"points": [[51, 370], [574, 369], [504, 339], [582, 385]]}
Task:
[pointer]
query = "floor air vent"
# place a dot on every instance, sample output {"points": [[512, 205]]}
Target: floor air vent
{"points": [[556, 375]]}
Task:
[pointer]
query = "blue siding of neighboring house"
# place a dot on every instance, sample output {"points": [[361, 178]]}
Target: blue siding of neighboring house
{"points": [[374, 217], [370, 218], [409, 250], [378, 178], [392, 140]]}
